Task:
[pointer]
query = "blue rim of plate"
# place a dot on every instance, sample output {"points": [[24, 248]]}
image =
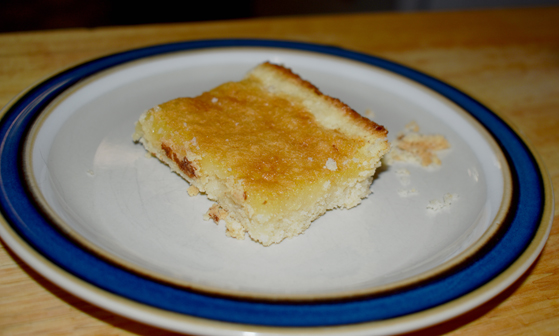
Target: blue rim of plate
{"points": [[25, 217]]}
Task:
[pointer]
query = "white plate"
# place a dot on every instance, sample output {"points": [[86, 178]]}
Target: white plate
{"points": [[128, 221]]}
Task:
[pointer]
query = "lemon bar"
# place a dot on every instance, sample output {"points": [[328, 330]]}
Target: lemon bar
{"points": [[271, 150]]}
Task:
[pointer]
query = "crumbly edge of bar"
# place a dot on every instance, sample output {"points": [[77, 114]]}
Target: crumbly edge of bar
{"points": [[238, 216], [330, 112]]}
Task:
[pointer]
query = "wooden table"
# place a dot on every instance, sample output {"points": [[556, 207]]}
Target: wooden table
{"points": [[507, 59]]}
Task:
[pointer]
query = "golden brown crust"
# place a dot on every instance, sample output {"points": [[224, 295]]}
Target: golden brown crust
{"points": [[243, 131], [366, 123], [185, 165]]}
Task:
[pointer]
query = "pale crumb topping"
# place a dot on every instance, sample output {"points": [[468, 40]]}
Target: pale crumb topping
{"points": [[403, 175], [193, 191], [402, 172], [412, 126], [331, 164], [437, 205], [408, 192], [214, 100], [235, 230]]}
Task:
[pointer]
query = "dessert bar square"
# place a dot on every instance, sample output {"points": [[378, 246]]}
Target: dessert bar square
{"points": [[271, 150]]}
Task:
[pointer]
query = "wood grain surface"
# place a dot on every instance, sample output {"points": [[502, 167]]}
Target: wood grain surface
{"points": [[507, 59]]}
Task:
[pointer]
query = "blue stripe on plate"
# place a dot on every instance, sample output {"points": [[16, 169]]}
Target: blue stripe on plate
{"points": [[25, 217]]}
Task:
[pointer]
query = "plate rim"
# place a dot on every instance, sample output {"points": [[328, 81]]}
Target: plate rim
{"points": [[543, 223]]}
